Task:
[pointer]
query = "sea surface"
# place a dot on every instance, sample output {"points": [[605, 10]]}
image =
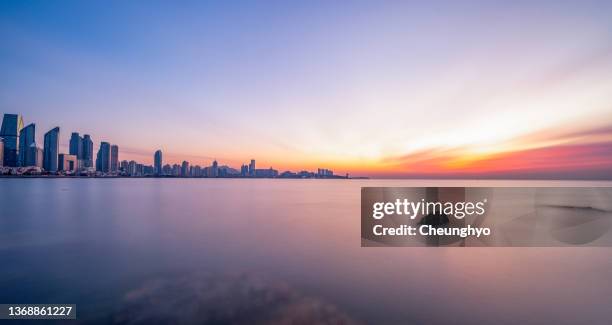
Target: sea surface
{"points": [[225, 251]]}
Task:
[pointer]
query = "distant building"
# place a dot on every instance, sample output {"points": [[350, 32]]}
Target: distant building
{"points": [[103, 158], [114, 163], [87, 151], [196, 171], [213, 171], [27, 136], [225, 171], [51, 148], [11, 125], [185, 169], [157, 162], [123, 166], [288, 174], [139, 169], [176, 170], [244, 170], [252, 168], [67, 163], [266, 173], [131, 168], [35, 156], [322, 173], [149, 170], [305, 174], [167, 170]]}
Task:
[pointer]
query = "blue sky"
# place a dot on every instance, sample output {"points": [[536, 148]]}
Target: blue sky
{"points": [[350, 85]]}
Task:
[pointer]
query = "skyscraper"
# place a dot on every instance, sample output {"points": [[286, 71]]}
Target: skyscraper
{"points": [[167, 169], [214, 170], [11, 125], [87, 151], [104, 157], [76, 147], [99, 161], [158, 162], [196, 171], [27, 137], [252, 168], [51, 149], [35, 156], [185, 169], [114, 160], [123, 166], [132, 168]]}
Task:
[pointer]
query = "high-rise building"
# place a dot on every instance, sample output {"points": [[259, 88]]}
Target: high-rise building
{"points": [[322, 173], [215, 169], [11, 125], [67, 163], [114, 162], [87, 151], [139, 169], [76, 148], [167, 169], [148, 170], [27, 136], [223, 171], [50, 155], [132, 168], [195, 171], [35, 156], [103, 158], [1, 152], [158, 162], [252, 168], [185, 169], [123, 166]]}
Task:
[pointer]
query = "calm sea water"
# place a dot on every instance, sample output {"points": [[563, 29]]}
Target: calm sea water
{"points": [[258, 251]]}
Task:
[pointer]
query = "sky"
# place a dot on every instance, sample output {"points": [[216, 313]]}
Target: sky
{"points": [[371, 88]]}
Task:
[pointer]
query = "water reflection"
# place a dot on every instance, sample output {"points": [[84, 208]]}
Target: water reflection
{"points": [[223, 299], [92, 241]]}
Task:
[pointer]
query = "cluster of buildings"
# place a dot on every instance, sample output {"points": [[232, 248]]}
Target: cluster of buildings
{"points": [[215, 171], [21, 155], [185, 169]]}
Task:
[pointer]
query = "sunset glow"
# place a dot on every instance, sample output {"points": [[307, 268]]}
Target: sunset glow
{"points": [[377, 89]]}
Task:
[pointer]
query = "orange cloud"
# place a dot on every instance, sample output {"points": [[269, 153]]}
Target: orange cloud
{"points": [[583, 153]]}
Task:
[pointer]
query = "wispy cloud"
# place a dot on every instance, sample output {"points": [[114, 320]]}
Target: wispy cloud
{"points": [[583, 153]]}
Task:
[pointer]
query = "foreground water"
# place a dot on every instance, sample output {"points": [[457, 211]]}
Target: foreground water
{"points": [[231, 251]]}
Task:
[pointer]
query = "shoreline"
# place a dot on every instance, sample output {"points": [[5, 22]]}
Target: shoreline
{"points": [[171, 177]]}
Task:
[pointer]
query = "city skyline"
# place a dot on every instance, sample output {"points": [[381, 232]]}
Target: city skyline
{"points": [[382, 90], [27, 159]]}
